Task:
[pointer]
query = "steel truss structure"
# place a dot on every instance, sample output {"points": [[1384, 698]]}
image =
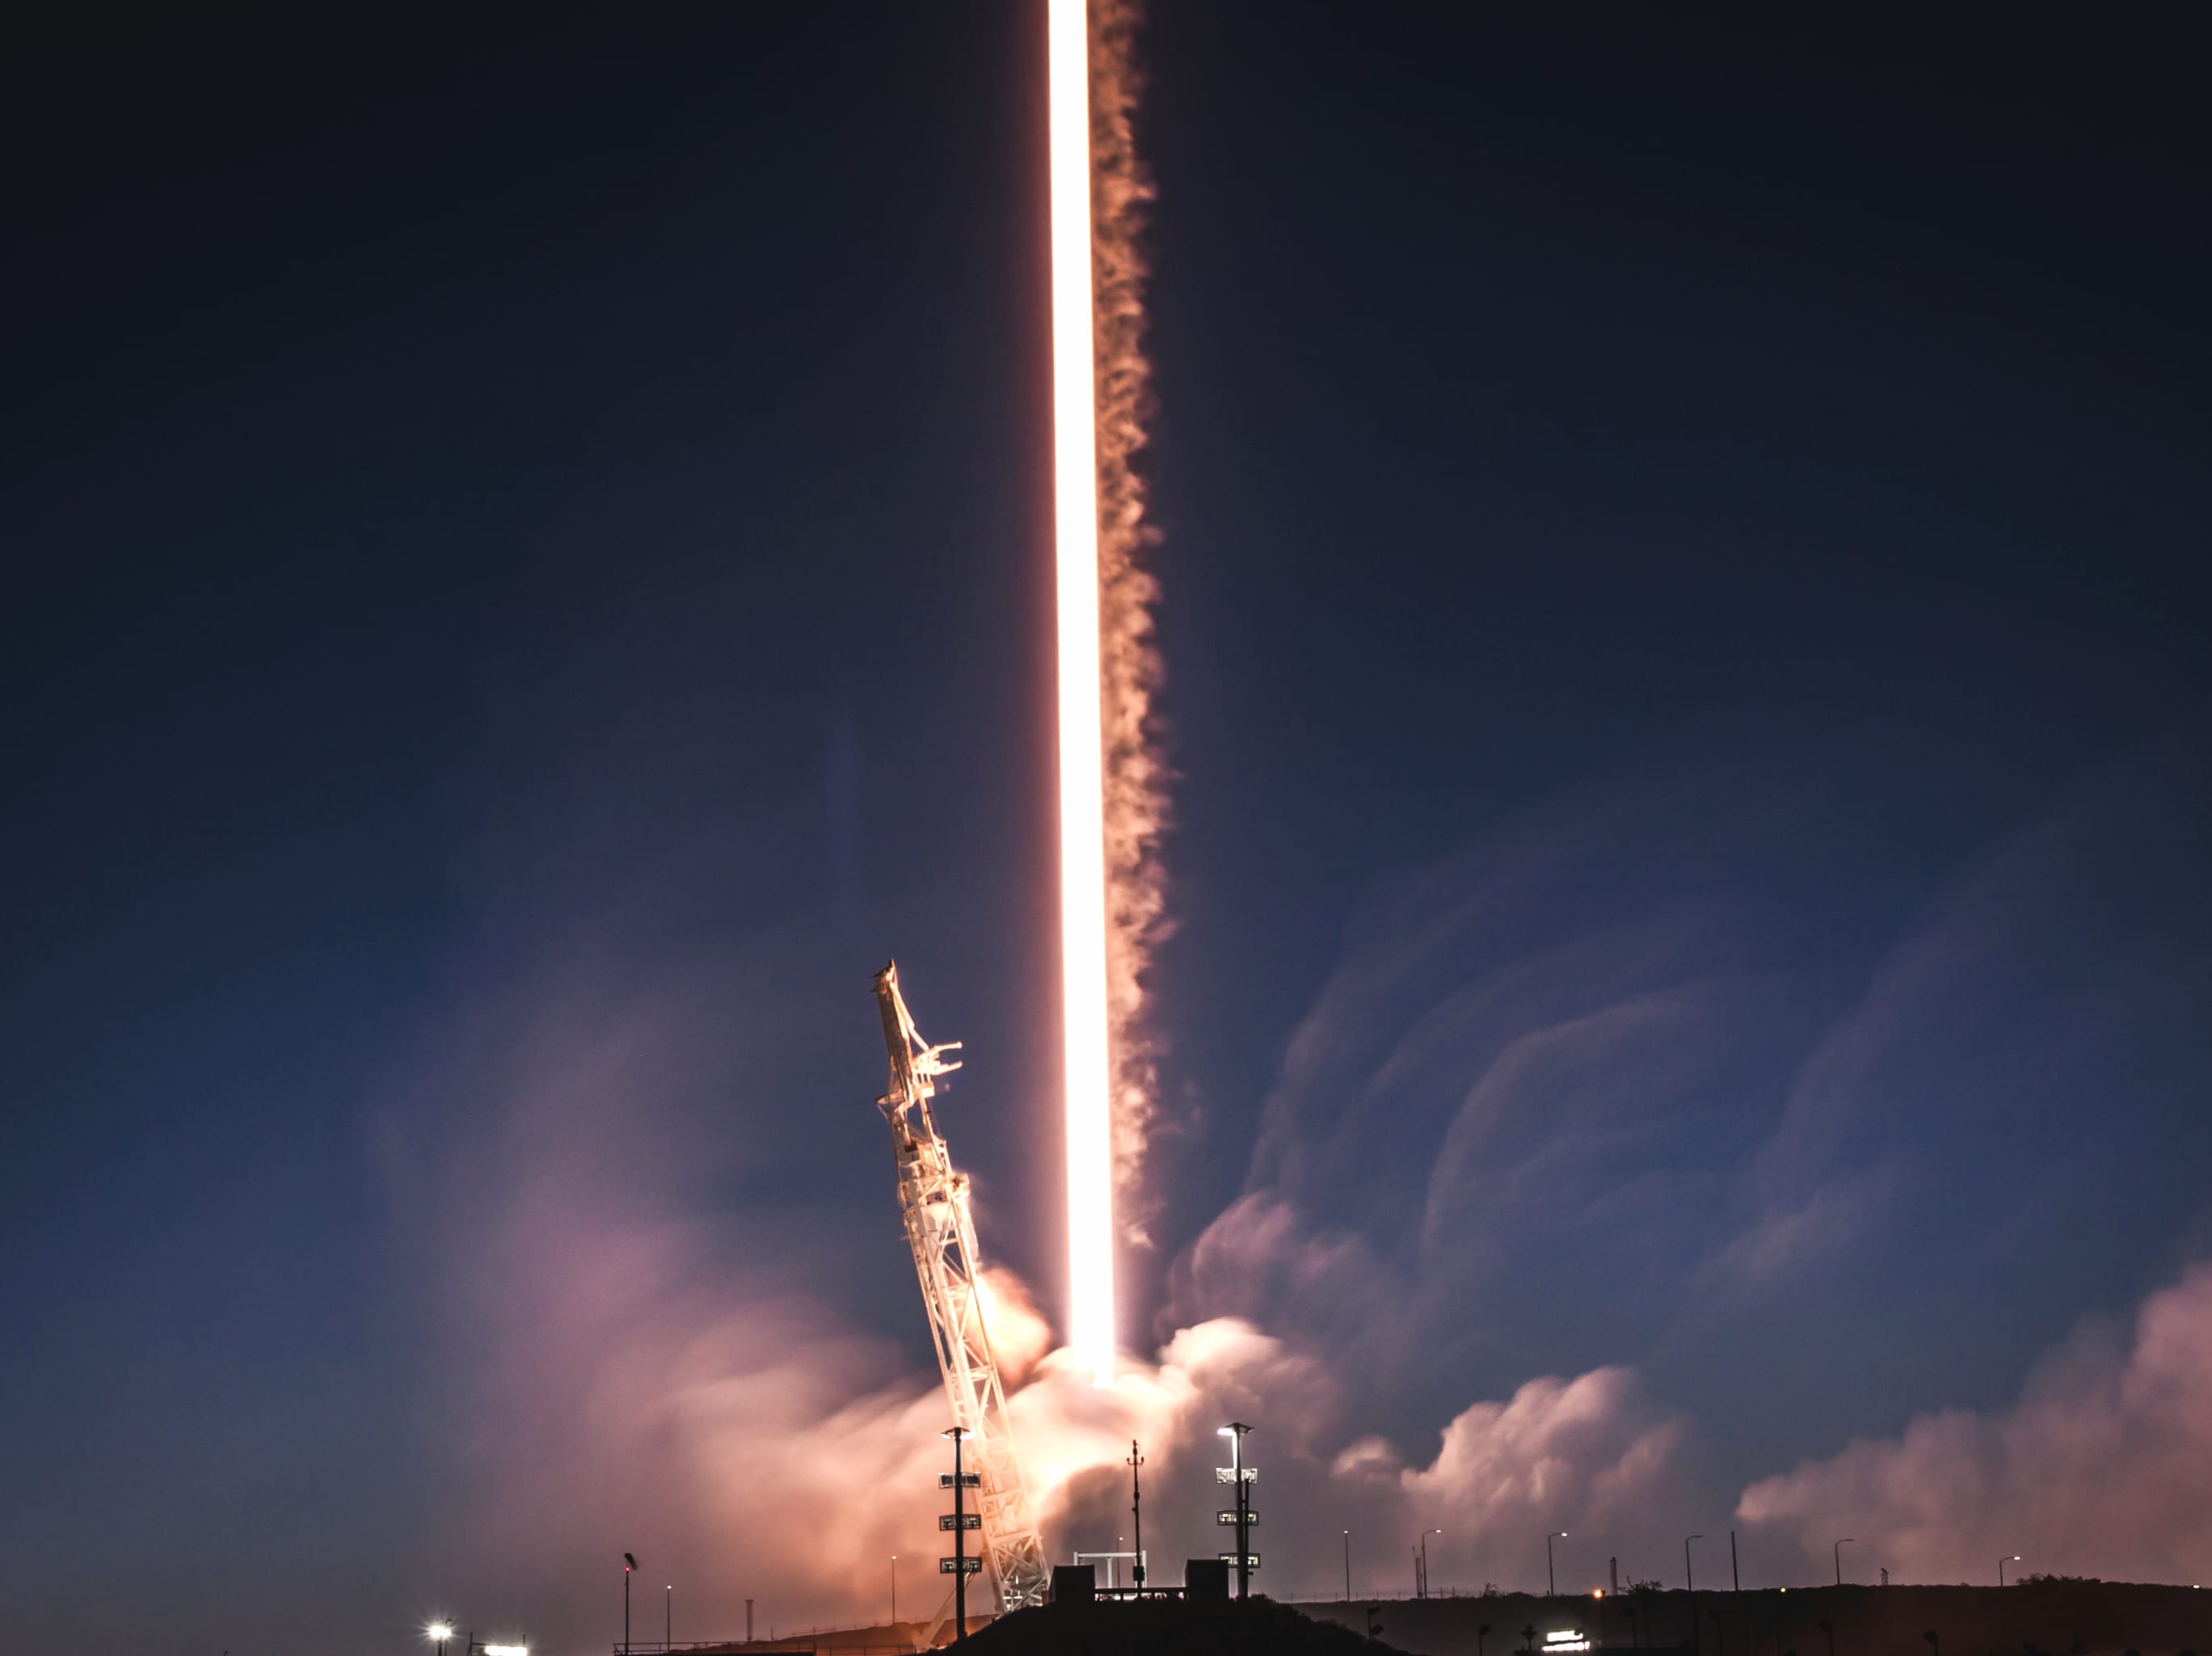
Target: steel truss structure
{"points": [[933, 1197]]}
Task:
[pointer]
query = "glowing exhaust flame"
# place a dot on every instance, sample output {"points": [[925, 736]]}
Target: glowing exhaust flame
{"points": [[1083, 893]]}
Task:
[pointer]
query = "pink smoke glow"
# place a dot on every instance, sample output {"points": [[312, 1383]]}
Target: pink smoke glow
{"points": [[2099, 1468]]}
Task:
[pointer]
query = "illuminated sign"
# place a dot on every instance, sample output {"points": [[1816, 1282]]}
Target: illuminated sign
{"points": [[1229, 1517], [1568, 1638]]}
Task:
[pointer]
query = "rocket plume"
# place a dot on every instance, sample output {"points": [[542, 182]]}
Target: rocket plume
{"points": [[1111, 778]]}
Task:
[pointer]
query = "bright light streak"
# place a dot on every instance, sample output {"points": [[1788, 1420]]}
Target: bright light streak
{"points": [[1082, 756]]}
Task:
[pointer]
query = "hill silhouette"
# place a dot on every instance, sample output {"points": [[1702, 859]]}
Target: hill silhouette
{"points": [[1171, 1627]]}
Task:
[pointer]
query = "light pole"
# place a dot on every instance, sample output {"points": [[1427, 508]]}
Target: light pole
{"points": [[1426, 1534], [959, 1536], [1235, 1432], [629, 1567], [1347, 1566], [894, 1590], [438, 1633], [1848, 1540], [668, 1619], [1690, 1581], [2001, 1562], [1137, 1515], [1550, 1575]]}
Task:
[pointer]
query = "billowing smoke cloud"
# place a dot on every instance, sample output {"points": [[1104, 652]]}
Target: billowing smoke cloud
{"points": [[1136, 768], [1521, 1133], [2099, 1468], [658, 1356]]}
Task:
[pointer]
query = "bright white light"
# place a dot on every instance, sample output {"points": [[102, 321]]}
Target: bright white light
{"points": [[1082, 748], [507, 1650], [439, 1630]]}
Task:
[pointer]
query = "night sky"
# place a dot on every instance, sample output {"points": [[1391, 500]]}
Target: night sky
{"points": [[527, 575]]}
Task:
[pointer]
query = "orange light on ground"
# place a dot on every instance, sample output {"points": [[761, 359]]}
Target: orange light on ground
{"points": [[1082, 756]]}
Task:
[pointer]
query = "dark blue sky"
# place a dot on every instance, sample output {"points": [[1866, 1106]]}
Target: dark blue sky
{"points": [[526, 577]]}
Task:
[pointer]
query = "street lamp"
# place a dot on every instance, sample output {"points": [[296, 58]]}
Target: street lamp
{"points": [[1426, 1534], [1690, 1581], [1347, 1566], [1838, 1550], [437, 1632], [894, 1590], [668, 1619], [629, 1568], [1551, 1576], [2001, 1562]]}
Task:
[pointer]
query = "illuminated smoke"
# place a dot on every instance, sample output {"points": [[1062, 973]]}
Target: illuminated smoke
{"points": [[1111, 777], [1136, 774]]}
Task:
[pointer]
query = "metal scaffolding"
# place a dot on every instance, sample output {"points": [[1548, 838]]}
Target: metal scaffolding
{"points": [[935, 1199]]}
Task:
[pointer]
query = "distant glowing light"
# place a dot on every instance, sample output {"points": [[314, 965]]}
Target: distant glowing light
{"points": [[1083, 900], [505, 1650], [440, 1631]]}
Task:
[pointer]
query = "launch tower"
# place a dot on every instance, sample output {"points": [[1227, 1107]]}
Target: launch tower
{"points": [[934, 1200]]}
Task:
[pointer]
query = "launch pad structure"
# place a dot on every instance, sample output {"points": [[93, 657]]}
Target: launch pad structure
{"points": [[933, 1199]]}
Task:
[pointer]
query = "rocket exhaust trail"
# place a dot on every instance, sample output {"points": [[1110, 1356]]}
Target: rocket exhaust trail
{"points": [[1082, 896], [1112, 808]]}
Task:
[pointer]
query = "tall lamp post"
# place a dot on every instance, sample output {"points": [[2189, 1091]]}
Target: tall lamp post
{"points": [[1347, 1566], [894, 1590], [1838, 1550], [1242, 1513], [2001, 1562], [1552, 1575], [1690, 1581], [1137, 1515], [629, 1568], [1426, 1534], [959, 1528], [668, 1618], [438, 1633]]}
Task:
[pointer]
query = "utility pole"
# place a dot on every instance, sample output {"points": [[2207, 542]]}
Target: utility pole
{"points": [[1735, 1581], [668, 1619], [1137, 1515], [1347, 1566]]}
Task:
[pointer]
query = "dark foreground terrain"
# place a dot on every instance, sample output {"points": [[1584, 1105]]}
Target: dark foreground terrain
{"points": [[2033, 1618], [1164, 1627]]}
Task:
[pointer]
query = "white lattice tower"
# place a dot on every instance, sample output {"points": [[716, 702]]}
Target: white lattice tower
{"points": [[938, 1227]]}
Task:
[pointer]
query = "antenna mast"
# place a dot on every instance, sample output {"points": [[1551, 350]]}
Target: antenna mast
{"points": [[935, 1199]]}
